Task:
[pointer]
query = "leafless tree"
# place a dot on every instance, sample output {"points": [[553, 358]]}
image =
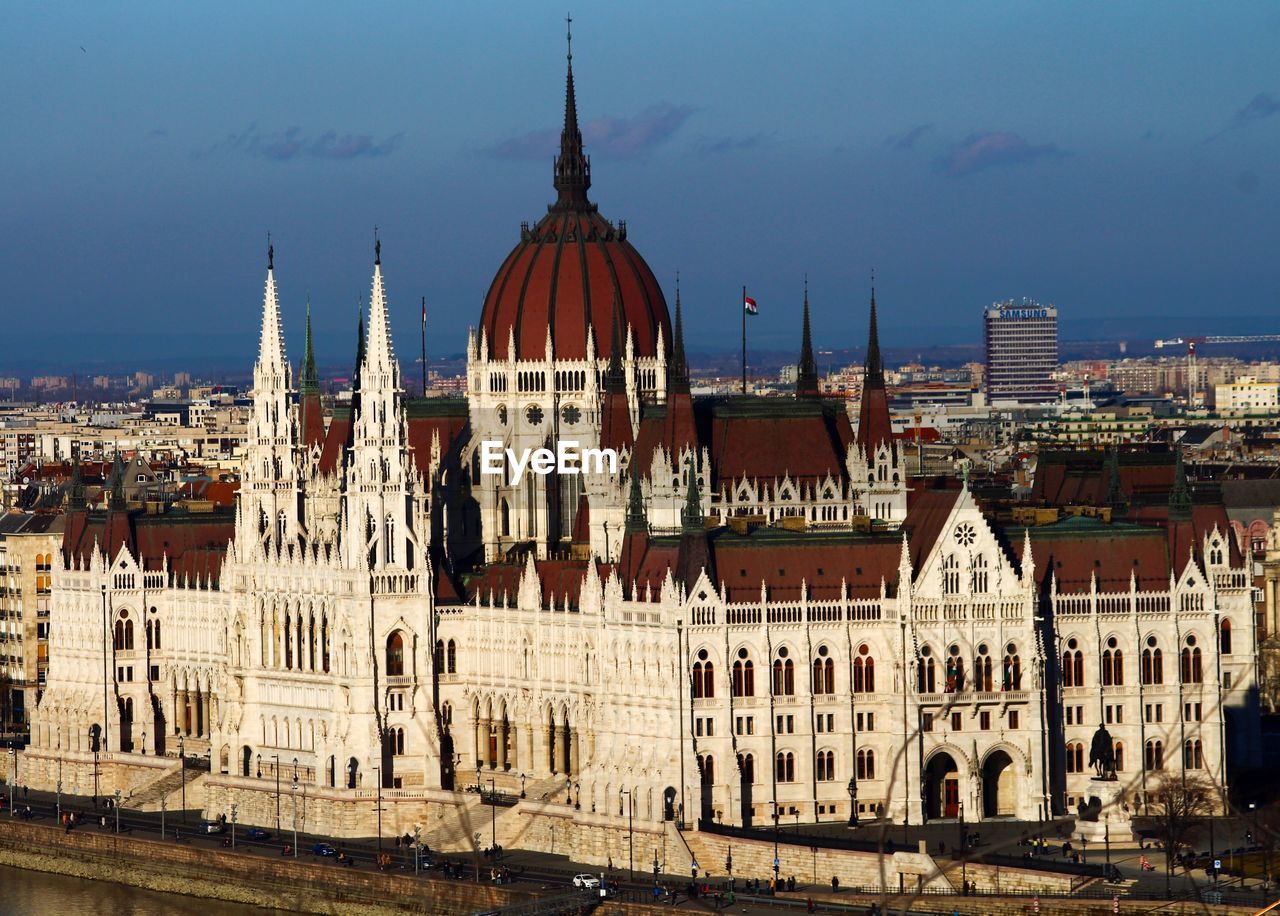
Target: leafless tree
{"points": [[1179, 806]]}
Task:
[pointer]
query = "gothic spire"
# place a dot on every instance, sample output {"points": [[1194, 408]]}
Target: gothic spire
{"points": [[355, 376], [76, 498], [1115, 495], [271, 357], [678, 368], [807, 371], [310, 383], [691, 515], [572, 166], [636, 521], [380, 356], [874, 374], [116, 484]]}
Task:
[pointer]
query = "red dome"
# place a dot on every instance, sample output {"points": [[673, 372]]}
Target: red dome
{"points": [[566, 274], [569, 270]]}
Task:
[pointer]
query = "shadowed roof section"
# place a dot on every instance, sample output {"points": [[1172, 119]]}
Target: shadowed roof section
{"points": [[770, 438], [195, 543]]}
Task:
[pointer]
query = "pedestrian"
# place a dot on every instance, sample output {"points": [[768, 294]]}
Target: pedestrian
{"points": [[835, 884]]}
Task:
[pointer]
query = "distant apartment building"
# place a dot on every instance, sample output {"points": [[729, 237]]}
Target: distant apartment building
{"points": [[1247, 393], [28, 545], [1022, 350]]}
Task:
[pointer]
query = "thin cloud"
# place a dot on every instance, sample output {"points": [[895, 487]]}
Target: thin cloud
{"points": [[620, 138], [1262, 105], [907, 140], [733, 144], [997, 149], [293, 143]]}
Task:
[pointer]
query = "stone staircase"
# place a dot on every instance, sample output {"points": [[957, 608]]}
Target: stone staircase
{"points": [[168, 786]]}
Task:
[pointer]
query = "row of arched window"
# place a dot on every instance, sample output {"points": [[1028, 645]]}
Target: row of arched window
{"points": [[958, 679], [1151, 667], [979, 575], [782, 674]]}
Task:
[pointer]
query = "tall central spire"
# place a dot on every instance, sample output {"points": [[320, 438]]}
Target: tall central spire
{"points": [[807, 370], [310, 383], [678, 368], [572, 167], [874, 376]]}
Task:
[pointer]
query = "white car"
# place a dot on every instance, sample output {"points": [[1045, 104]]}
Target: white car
{"points": [[586, 881]]}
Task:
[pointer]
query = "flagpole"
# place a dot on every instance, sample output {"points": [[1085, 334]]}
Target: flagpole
{"points": [[424, 346], [744, 340]]}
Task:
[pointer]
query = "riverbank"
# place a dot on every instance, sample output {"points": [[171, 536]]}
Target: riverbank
{"points": [[299, 886]]}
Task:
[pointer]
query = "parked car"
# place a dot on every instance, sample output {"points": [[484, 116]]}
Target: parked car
{"points": [[587, 881], [256, 833], [323, 849], [211, 827]]}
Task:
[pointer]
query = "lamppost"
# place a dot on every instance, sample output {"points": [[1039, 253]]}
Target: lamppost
{"points": [[144, 742], [479, 787], [631, 810], [182, 760], [964, 856], [577, 796], [13, 781], [1106, 837], [259, 766], [522, 785], [655, 867], [117, 810], [96, 743], [853, 802], [776, 863], [417, 846], [1084, 849], [378, 770], [164, 805], [493, 815], [294, 792], [233, 826], [276, 766]]}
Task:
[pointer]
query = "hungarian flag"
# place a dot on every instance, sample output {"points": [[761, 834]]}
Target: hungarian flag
{"points": [[750, 305]]}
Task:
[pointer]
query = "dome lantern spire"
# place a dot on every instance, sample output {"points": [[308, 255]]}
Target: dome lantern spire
{"points": [[572, 166]]}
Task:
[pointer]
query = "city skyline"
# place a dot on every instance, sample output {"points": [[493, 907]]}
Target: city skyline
{"points": [[749, 153]]}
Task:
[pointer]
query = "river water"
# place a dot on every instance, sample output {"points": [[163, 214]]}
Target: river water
{"points": [[37, 893]]}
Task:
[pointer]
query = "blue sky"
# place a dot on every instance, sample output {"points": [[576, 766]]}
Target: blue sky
{"points": [[1118, 160]]}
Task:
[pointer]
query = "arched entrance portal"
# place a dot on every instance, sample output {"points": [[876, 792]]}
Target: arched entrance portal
{"points": [[998, 786], [942, 787]]}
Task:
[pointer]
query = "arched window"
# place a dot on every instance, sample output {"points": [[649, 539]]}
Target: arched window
{"points": [[864, 671], [288, 641], [955, 670], [1012, 677], [1224, 637], [784, 674], [451, 658], [1155, 755], [1075, 757], [747, 767], [1192, 755], [1072, 665], [1112, 664], [982, 669], [150, 642], [1152, 663], [950, 575], [824, 672], [927, 676], [1192, 667], [744, 675], [824, 766], [866, 764], [395, 654], [128, 635], [157, 631], [117, 641], [979, 575], [1118, 753], [707, 766], [785, 764], [704, 678]]}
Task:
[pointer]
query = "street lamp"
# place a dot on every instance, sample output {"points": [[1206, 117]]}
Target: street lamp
{"points": [[417, 846], [776, 863], [182, 760], [144, 742], [479, 787], [13, 781], [294, 791], [259, 766], [117, 810], [853, 802], [164, 805], [631, 811], [233, 826], [577, 795], [493, 815], [276, 766], [1084, 849], [964, 856], [522, 785], [378, 771]]}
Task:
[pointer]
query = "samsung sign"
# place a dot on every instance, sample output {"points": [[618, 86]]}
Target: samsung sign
{"points": [[1024, 313]]}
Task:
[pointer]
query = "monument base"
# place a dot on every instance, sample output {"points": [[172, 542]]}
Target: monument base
{"points": [[1108, 817]]}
